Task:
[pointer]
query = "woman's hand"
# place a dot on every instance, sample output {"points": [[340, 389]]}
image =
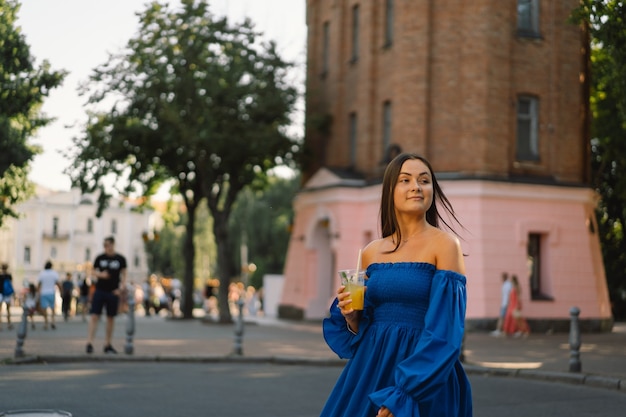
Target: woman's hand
{"points": [[344, 304], [384, 412]]}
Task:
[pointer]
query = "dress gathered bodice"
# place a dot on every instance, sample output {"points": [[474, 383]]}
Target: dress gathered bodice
{"points": [[399, 292]]}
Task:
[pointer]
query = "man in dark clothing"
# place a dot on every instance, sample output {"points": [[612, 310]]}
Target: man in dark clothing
{"points": [[67, 293], [110, 273]]}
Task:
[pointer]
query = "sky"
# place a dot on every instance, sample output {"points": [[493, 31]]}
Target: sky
{"points": [[78, 35]]}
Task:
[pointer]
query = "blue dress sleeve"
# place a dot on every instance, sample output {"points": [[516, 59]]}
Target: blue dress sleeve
{"points": [[429, 368], [337, 335]]}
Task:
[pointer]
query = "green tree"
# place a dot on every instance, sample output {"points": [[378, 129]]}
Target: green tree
{"points": [[606, 21], [23, 87], [262, 218], [198, 101], [164, 246]]}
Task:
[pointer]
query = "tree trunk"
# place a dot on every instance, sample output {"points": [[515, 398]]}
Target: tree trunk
{"points": [[224, 268], [189, 256]]}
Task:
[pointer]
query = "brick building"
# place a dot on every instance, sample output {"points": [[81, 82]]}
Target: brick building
{"points": [[494, 93]]}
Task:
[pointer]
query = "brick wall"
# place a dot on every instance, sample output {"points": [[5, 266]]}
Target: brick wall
{"points": [[452, 74]]}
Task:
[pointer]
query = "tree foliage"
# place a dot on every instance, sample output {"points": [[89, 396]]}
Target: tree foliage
{"points": [[23, 87], [197, 100], [165, 245], [261, 219], [606, 21]]}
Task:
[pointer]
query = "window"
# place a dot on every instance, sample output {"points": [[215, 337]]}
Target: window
{"points": [[53, 252], [87, 255], [539, 286], [137, 261], [527, 129], [27, 255], [113, 226], [353, 138], [386, 125], [355, 33], [388, 22], [55, 226], [89, 225], [325, 47], [528, 18]]}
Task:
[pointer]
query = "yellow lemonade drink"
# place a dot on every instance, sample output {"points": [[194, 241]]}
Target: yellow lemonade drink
{"points": [[355, 285], [357, 293]]}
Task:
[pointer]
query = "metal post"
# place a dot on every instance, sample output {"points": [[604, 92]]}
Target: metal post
{"points": [[21, 334], [238, 347], [462, 352], [130, 324], [574, 341]]}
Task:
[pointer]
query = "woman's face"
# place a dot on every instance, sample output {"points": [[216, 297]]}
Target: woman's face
{"points": [[413, 192]]}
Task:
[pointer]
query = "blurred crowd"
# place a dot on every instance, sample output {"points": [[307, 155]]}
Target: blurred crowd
{"points": [[156, 296]]}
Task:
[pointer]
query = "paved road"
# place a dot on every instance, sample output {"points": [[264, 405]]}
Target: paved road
{"points": [[132, 389], [183, 368]]}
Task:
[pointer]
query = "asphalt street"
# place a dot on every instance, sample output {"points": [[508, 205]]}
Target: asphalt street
{"points": [[186, 368], [228, 389]]}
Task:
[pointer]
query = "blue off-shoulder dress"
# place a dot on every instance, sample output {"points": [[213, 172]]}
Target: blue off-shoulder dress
{"points": [[405, 354]]}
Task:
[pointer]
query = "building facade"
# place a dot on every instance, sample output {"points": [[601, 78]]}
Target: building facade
{"points": [[61, 226], [495, 95]]}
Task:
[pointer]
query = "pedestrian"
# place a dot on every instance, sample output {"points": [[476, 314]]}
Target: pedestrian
{"points": [[404, 346], [147, 296], [110, 274], [67, 293], [514, 322], [30, 304], [505, 292], [48, 282], [6, 293], [83, 296]]}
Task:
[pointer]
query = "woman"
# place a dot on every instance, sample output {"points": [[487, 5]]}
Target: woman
{"points": [[404, 346], [514, 323]]}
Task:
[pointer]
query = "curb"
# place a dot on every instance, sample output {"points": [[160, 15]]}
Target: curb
{"points": [[591, 380], [279, 360]]}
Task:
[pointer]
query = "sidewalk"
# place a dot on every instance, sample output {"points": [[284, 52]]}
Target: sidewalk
{"points": [[547, 356], [603, 356]]}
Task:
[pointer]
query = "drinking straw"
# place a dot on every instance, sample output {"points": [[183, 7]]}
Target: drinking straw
{"points": [[358, 263]]}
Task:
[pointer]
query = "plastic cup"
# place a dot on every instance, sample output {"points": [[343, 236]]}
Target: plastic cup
{"points": [[355, 285]]}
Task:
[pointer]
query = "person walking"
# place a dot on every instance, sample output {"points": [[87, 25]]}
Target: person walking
{"points": [[110, 274], [30, 304], [6, 293], [67, 293], [504, 303], [48, 282], [83, 297], [403, 347], [514, 322]]}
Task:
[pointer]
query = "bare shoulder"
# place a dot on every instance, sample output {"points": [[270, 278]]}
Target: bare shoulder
{"points": [[449, 255], [371, 251]]}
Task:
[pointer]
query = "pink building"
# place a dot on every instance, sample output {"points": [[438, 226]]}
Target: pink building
{"points": [[496, 97]]}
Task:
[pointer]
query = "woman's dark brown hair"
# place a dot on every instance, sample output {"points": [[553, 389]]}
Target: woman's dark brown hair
{"points": [[388, 221]]}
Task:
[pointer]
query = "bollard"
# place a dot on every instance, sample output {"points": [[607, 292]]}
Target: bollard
{"points": [[462, 352], [574, 341], [21, 334], [130, 324], [238, 347]]}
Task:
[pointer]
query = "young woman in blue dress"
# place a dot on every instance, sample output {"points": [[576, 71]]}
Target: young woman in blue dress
{"points": [[404, 346]]}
